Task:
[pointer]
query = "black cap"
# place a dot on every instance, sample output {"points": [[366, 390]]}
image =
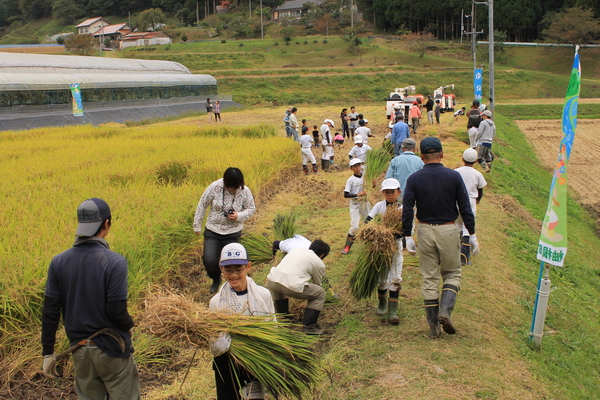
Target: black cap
{"points": [[430, 145]]}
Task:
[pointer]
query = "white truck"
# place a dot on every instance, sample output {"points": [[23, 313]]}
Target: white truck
{"points": [[447, 101], [402, 98]]}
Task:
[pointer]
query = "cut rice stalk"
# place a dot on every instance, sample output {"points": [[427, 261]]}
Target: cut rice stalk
{"points": [[259, 247]]}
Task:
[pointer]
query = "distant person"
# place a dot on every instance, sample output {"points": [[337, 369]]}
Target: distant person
{"points": [[87, 284], [400, 131], [294, 124], [404, 165], [429, 107], [474, 183], [440, 196], [217, 110], [353, 118], [415, 115], [306, 144], [363, 131], [327, 143], [209, 109], [460, 111], [474, 115], [438, 111], [315, 134], [345, 127], [231, 203], [287, 123], [305, 128], [484, 138], [359, 150], [355, 191]]}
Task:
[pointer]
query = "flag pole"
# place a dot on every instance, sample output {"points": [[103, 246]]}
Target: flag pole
{"points": [[539, 309]]}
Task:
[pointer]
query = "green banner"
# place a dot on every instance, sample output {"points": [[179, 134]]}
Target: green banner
{"points": [[77, 101], [552, 247]]}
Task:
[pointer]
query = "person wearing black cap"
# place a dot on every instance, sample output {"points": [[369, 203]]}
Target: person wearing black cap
{"points": [[88, 283], [436, 191]]}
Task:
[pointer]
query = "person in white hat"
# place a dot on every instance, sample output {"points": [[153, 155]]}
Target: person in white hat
{"points": [[239, 295], [390, 189], [327, 143], [474, 182], [355, 191], [359, 150], [306, 144], [484, 139]]}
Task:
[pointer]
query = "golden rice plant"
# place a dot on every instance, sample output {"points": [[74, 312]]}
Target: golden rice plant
{"points": [[284, 226], [259, 247], [282, 359], [376, 163]]}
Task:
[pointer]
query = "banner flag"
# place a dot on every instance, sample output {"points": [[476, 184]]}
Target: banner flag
{"points": [[77, 101], [478, 83], [552, 246]]}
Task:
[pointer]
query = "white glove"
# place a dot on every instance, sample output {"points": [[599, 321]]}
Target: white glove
{"points": [[474, 245], [410, 245], [49, 367], [221, 345]]}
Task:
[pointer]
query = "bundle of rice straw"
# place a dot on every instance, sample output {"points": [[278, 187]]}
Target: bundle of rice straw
{"points": [[281, 359], [284, 226], [389, 148], [374, 259], [393, 219], [376, 163], [259, 247]]}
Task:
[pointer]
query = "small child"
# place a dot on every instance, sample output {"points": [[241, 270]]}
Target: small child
{"points": [[306, 142], [359, 150], [315, 133], [390, 188], [437, 112], [338, 139], [474, 182], [304, 127], [239, 295], [355, 191]]}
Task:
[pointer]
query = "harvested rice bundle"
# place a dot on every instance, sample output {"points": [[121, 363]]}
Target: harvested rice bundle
{"points": [[281, 359], [393, 219], [389, 148], [376, 163], [378, 237], [284, 226], [370, 265], [259, 247]]}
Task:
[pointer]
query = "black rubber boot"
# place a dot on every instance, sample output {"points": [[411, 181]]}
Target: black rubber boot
{"points": [[282, 306], [310, 322], [465, 250], [393, 307], [382, 306], [305, 169], [315, 170], [349, 242], [447, 301], [325, 165], [215, 285], [432, 308]]}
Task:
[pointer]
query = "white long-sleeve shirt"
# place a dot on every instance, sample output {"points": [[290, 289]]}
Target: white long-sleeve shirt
{"points": [[219, 199], [297, 268]]}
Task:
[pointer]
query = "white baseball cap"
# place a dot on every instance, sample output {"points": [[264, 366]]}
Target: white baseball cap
{"points": [[233, 254], [358, 139], [470, 155], [330, 121], [355, 161], [390, 183], [366, 121]]}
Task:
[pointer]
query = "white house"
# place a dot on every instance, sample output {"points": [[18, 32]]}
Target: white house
{"points": [[145, 39], [292, 9], [90, 26]]}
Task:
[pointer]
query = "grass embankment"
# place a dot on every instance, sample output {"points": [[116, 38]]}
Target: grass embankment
{"points": [[152, 177], [489, 357]]}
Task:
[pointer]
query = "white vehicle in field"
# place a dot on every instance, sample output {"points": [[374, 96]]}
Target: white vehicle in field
{"points": [[402, 99], [447, 101]]}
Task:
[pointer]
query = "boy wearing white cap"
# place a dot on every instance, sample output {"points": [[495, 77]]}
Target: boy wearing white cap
{"points": [[390, 189], [360, 149], [306, 143], [355, 191], [474, 183], [327, 142], [239, 295]]}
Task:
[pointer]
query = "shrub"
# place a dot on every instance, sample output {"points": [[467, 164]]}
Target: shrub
{"points": [[241, 44], [324, 41], [276, 44], [184, 38], [223, 41], [315, 41], [306, 42]]}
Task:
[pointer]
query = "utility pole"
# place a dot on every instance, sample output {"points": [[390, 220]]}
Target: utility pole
{"points": [[262, 33], [249, 8], [351, 15], [197, 14], [491, 52]]}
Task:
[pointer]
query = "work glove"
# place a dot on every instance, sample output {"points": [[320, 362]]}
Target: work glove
{"points": [[410, 245], [221, 345], [474, 245], [49, 367]]}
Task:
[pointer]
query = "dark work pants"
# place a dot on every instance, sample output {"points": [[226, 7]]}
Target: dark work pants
{"points": [[213, 244], [227, 380]]}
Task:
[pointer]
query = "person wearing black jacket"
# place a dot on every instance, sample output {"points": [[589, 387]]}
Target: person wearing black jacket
{"points": [[436, 191], [88, 284]]}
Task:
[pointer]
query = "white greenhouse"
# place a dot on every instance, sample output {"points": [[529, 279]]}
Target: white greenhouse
{"points": [[36, 79]]}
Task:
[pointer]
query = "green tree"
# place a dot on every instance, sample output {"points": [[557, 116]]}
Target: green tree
{"points": [[287, 32], [352, 39], [67, 11], [574, 25], [151, 19], [82, 45], [418, 42]]}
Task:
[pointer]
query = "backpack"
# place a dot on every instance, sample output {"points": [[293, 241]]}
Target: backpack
{"points": [[474, 118]]}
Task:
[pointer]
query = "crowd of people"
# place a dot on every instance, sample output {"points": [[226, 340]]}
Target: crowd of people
{"points": [[87, 284]]}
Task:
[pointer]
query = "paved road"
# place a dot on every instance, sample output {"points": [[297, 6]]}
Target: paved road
{"points": [[119, 112]]}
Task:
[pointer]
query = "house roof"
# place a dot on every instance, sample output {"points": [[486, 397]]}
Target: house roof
{"points": [[295, 4], [144, 35], [88, 22], [112, 29]]}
